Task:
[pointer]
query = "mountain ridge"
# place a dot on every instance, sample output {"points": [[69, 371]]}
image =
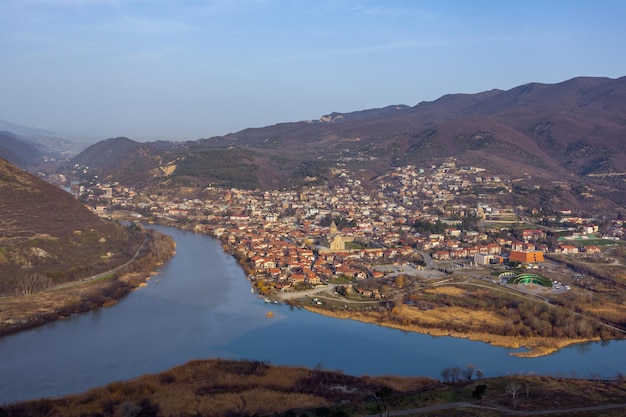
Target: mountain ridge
{"points": [[19, 151], [546, 132], [50, 143]]}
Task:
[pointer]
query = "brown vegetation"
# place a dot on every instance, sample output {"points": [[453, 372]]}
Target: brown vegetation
{"points": [[246, 388], [409, 320], [549, 132], [222, 388], [27, 311], [47, 237], [484, 314], [601, 290]]}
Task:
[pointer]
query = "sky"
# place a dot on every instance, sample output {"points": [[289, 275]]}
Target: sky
{"points": [[190, 69]]}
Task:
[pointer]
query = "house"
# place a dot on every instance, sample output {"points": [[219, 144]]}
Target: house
{"points": [[441, 255], [592, 250], [567, 249], [529, 234], [297, 278], [459, 253], [517, 246]]}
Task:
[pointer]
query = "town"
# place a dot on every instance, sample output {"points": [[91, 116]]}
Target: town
{"points": [[290, 240]]}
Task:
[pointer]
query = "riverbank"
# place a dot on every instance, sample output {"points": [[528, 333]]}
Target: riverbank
{"points": [[533, 346], [226, 388], [438, 320], [435, 322], [18, 313]]}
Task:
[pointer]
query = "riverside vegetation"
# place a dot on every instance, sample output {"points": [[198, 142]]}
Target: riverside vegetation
{"points": [[21, 312], [253, 388], [58, 258], [481, 311]]}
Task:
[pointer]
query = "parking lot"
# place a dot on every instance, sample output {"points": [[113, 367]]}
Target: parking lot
{"points": [[410, 270]]}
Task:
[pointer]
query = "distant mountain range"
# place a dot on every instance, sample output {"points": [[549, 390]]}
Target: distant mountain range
{"points": [[540, 134], [19, 151], [27, 146]]}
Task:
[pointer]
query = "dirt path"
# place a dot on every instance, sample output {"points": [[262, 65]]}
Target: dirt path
{"points": [[503, 410]]}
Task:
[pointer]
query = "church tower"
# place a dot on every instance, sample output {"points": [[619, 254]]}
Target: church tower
{"points": [[332, 230], [334, 239]]}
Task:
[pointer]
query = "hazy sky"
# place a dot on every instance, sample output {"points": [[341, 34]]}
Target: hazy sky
{"points": [[186, 69]]}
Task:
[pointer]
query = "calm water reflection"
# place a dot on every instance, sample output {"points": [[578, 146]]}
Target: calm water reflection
{"points": [[200, 306]]}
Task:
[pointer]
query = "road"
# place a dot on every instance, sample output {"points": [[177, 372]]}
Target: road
{"points": [[101, 275], [503, 410]]}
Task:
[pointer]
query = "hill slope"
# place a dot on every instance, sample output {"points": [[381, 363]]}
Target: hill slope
{"points": [[48, 237], [18, 151], [44, 140], [541, 133]]}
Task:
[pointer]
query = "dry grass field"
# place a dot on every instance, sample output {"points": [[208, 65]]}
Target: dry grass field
{"points": [[252, 388]]}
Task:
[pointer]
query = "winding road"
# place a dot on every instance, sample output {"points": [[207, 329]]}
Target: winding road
{"points": [[101, 275]]}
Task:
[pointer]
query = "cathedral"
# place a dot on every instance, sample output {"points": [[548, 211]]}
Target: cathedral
{"points": [[334, 240]]}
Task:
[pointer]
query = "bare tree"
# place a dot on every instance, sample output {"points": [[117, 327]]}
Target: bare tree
{"points": [[28, 284], [512, 388], [479, 374], [468, 372], [455, 374], [445, 374]]}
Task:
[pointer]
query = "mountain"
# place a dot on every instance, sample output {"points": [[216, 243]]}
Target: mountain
{"points": [[48, 142], [539, 134], [48, 237], [19, 151], [124, 160]]}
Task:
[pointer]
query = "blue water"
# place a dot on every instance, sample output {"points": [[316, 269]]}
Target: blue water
{"points": [[200, 306]]}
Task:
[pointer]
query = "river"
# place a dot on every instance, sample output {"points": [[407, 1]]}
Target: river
{"points": [[200, 306]]}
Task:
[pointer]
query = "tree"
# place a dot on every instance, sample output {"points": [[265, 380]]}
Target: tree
{"points": [[31, 283], [380, 396], [456, 374], [479, 374], [445, 374], [512, 388], [479, 391], [400, 281], [468, 372]]}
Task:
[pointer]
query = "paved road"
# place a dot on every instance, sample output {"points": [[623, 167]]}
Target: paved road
{"points": [[98, 276]]}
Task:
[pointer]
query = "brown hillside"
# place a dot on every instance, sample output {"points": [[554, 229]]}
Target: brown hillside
{"points": [[546, 133], [48, 237]]}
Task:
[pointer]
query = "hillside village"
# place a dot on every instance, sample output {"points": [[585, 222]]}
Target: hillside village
{"points": [[289, 239]]}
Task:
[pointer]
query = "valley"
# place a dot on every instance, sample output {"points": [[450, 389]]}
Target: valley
{"points": [[495, 217], [362, 243]]}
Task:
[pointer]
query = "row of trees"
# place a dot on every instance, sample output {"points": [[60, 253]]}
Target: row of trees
{"points": [[456, 374]]}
